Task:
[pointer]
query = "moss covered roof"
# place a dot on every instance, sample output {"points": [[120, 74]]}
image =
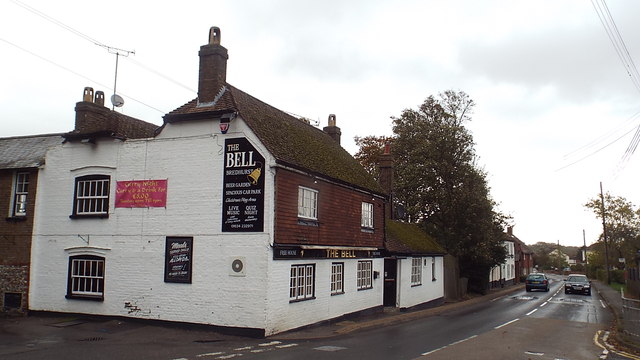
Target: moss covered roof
{"points": [[291, 141], [408, 239]]}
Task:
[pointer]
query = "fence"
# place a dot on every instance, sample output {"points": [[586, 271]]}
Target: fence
{"points": [[630, 315]]}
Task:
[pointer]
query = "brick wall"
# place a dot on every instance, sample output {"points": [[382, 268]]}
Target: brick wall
{"points": [[339, 214], [15, 238]]}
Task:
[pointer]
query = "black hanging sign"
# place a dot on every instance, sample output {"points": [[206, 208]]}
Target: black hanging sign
{"points": [[243, 192], [178, 259]]}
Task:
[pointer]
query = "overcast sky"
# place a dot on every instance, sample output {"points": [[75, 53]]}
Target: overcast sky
{"points": [[550, 89]]}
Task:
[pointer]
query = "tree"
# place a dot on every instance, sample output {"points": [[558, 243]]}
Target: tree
{"points": [[370, 149], [622, 224], [440, 186]]}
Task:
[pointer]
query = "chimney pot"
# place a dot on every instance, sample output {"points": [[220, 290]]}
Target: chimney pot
{"points": [[332, 120], [100, 98], [214, 35], [88, 94]]}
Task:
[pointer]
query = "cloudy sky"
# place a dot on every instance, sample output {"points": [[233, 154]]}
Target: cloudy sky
{"points": [[552, 93]]}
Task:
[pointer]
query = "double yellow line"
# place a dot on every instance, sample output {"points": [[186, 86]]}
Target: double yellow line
{"points": [[607, 347]]}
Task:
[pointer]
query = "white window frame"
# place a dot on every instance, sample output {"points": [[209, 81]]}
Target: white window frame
{"points": [[86, 277], [302, 282], [365, 275], [20, 194], [91, 196], [416, 271], [366, 220], [307, 203], [337, 278]]}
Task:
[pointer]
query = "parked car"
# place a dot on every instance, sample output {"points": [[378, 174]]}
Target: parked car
{"points": [[537, 281], [577, 283]]}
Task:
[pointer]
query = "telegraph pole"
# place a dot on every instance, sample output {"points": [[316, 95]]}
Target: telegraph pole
{"points": [[604, 234]]}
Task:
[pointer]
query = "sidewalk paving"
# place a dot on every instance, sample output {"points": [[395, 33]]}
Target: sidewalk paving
{"points": [[613, 299]]}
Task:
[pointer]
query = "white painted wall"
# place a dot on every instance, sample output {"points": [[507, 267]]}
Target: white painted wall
{"points": [[286, 315], [190, 157], [408, 295], [132, 240]]}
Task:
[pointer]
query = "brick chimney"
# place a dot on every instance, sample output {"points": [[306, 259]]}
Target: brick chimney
{"points": [[213, 68], [385, 165], [332, 130], [510, 230]]}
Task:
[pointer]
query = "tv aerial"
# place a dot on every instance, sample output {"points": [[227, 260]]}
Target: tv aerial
{"points": [[117, 100]]}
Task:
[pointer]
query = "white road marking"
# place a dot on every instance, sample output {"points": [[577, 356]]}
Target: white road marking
{"points": [[271, 343], [231, 356], [603, 304], [210, 354], [531, 312], [243, 348], [463, 340], [507, 323], [533, 353], [329, 348], [545, 303], [446, 346], [286, 346], [432, 351]]}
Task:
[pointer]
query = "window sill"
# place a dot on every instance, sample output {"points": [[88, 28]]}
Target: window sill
{"points": [[363, 289], [307, 222], [84, 297], [338, 293], [414, 285], [367, 230], [93, 216], [300, 300], [16, 218]]}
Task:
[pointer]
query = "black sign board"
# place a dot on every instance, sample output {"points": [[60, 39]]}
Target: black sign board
{"points": [[293, 252], [243, 188], [178, 259]]}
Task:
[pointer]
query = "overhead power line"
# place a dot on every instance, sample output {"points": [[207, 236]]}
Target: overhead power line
{"points": [[629, 65], [111, 49], [75, 73]]}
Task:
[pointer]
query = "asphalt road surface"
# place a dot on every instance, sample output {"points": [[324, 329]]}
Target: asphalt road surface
{"points": [[521, 325]]}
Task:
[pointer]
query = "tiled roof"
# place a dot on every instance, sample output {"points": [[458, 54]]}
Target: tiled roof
{"points": [[26, 151], [408, 239], [290, 140], [94, 120]]}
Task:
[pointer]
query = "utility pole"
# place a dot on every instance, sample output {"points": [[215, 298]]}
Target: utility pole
{"points": [[604, 234]]}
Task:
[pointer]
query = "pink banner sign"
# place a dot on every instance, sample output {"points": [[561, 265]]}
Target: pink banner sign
{"points": [[141, 194]]}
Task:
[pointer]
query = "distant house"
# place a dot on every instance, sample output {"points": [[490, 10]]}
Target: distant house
{"points": [[523, 256], [20, 162], [505, 273], [232, 214]]}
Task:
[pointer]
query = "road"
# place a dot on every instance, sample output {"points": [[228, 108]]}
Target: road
{"points": [[521, 325], [536, 325]]}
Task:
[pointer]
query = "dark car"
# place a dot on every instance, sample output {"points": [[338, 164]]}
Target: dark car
{"points": [[537, 281], [576, 283]]}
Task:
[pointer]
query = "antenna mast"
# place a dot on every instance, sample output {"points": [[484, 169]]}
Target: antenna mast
{"points": [[117, 100]]}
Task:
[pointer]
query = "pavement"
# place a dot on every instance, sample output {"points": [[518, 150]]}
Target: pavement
{"points": [[613, 299], [33, 331]]}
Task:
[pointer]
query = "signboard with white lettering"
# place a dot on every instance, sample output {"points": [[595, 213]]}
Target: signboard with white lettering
{"points": [[243, 188], [178, 259]]}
